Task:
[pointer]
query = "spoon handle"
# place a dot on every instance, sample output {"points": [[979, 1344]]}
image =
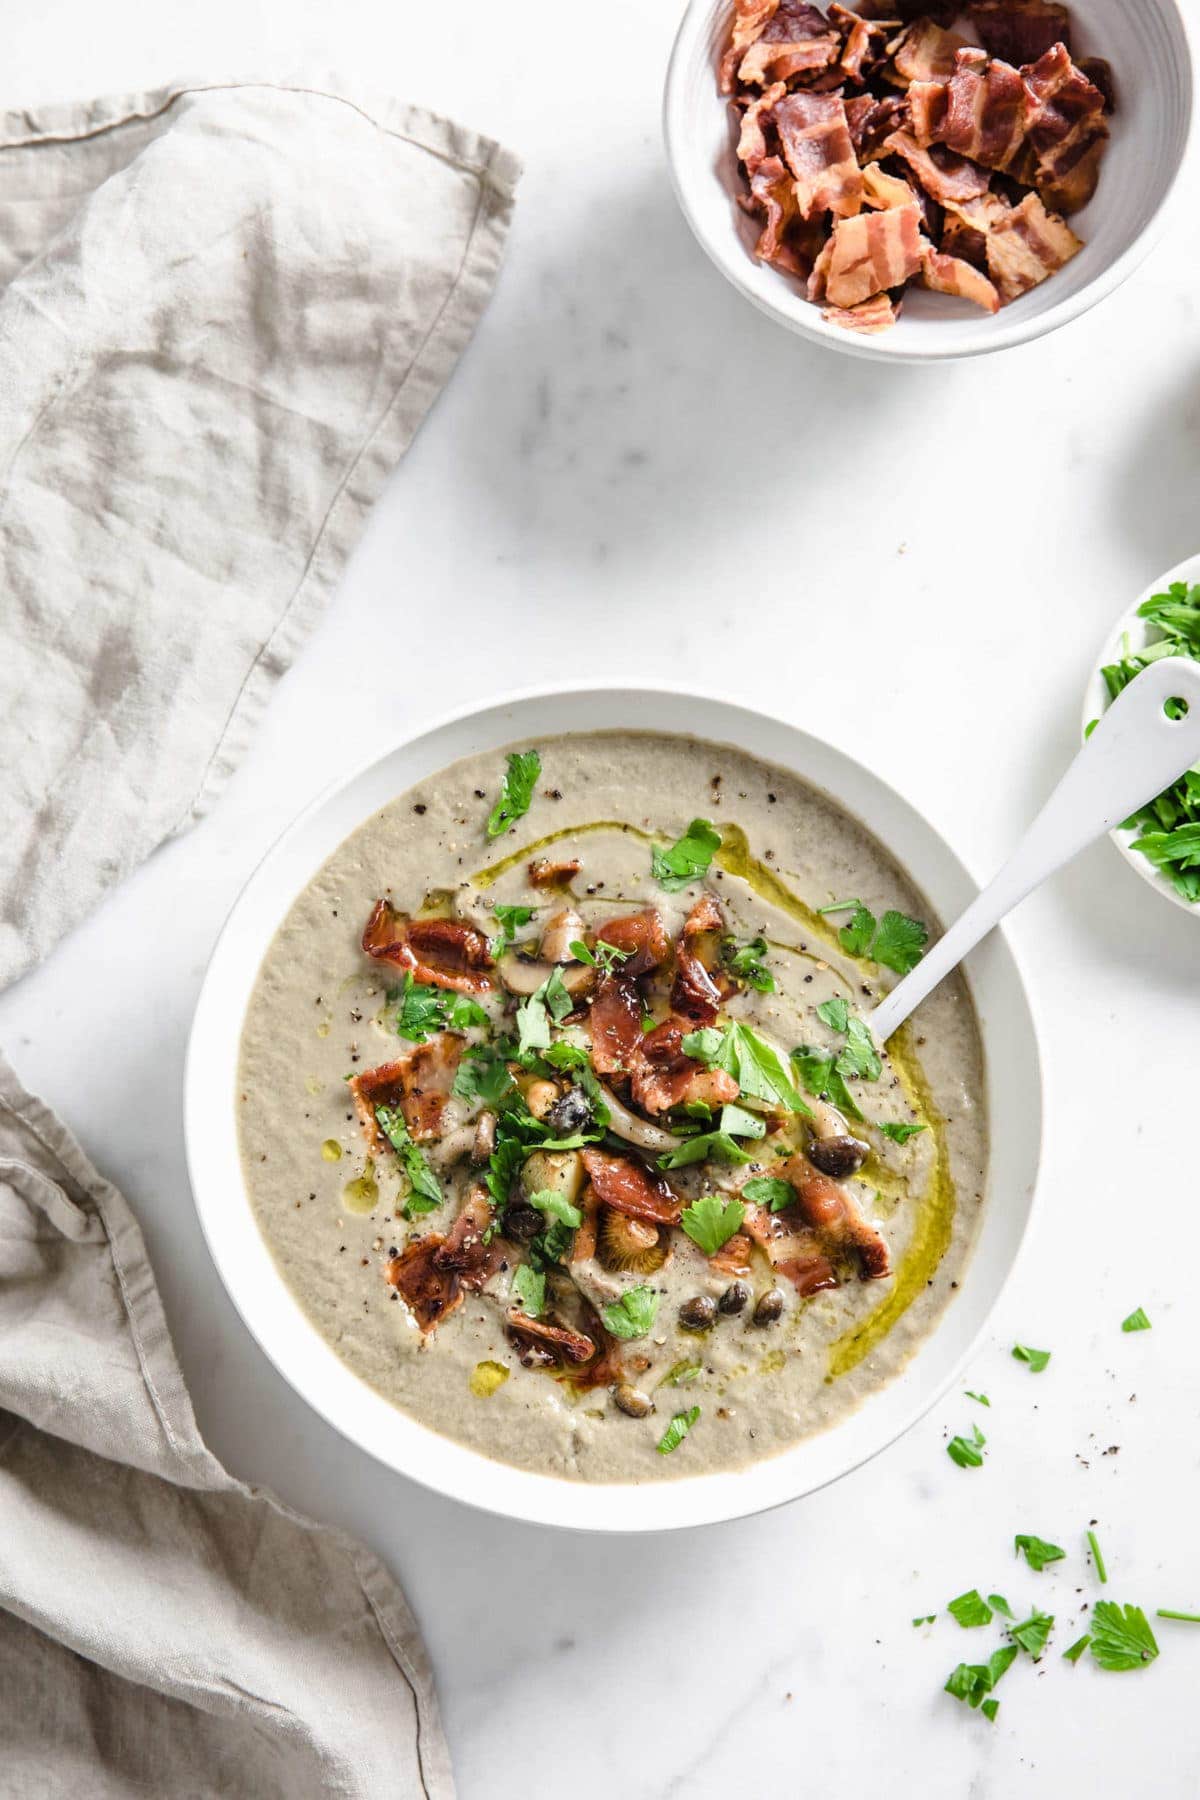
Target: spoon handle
{"points": [[1134, 753]]}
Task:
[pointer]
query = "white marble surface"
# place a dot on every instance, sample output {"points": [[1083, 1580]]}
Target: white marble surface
{"points": [[632, 470]]}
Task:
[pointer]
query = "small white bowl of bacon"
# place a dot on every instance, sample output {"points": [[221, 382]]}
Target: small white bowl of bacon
{"points": [[919, 179]]}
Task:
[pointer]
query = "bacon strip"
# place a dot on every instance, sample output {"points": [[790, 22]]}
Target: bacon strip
{"points": [[642, 936], [979, 112], [868, 317], [558, 1342], [750, 19], [943, 175], [696, 991], [431, 1292], [873, 251], [665, 1077], [419, 1084], [445, 953], [869, 120], [793, 1251], [950, 275], [816, 146], [796, 39], [1019, 30], [1028, 245], [757, 132], [629, 1187], [858, 46], [924, 52], [882, 190], [615, 1021], [1067, 129], [464, 1250]]}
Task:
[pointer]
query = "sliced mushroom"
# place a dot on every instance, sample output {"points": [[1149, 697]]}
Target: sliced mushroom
{"points": [[522, 976], [627, 1125], [560, 931]]}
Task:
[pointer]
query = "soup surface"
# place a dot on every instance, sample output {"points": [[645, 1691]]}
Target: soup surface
{"points": [[560, 1118]]}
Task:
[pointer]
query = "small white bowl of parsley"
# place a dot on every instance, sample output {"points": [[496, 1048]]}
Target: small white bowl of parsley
{"points": [[1162, 840]]}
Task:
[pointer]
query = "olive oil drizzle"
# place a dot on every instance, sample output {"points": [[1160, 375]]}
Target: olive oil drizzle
{"points": [[936, 1206]]}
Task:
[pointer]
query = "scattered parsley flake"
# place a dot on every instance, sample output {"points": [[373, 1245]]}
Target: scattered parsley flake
{"points": [[510, 920], [982, 1398], [680, 1373], [482, 1075], [711, 1221], [516, 791], [972, 1682], [999, 1604], [708, 1144], [1121, 1636], [928, 1619], [770, 1190], [1137, 1321], [1037, 1551], [967, 1452], [1031, 1634], [603, 956], [529, 1284], [633, 1314], [899, 942], [557, 1206], [747, 962], [1037, 1359], [1165, 1612], [426, 1195], [835, 1013], [688, 857], [989, 1708], [1073, 1653], [899, 1132], [677, 1430], [1097, 1558], [970, 1609]]}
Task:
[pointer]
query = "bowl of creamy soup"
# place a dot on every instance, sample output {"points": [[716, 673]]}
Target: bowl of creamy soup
{"points": [[538, 1131]]}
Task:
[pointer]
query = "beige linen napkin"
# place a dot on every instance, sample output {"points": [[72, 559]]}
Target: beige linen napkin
{"points": [[225, 311], [165, 1630]]}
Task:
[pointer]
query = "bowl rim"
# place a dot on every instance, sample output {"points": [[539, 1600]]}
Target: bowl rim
{"points": [[690, 40], [1095, 700], [358, 1412]]}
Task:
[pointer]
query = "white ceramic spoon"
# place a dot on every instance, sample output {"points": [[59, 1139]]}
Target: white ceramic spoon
{"points": [[1134, 753]]}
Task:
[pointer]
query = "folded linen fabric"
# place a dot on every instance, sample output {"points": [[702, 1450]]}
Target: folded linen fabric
{"points": [[225, 310]]}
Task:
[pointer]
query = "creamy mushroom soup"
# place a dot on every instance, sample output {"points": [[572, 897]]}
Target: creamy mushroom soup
{"points": [[560, 1116]]}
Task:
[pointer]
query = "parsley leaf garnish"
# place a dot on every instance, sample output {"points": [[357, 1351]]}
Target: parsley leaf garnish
{"points": [[550, 1001], [899, 1132], [770, 1190], [687, 859], [926, 1619], [510, 920], [1137, 1321], [426, 1195], [422, 1011], [680, 1373], [835, 1013], [602, 956], [999, 1604], [705, 1045], [971, 1682], [701, 1148], [896, 940], [711, 1222], [970, 1609], [747, 962], [1031, 1634], [516, 791], [529, 1284], [633, 1314], [503, 1164], [967, 1452], [482, 1075], [557, 1206], [1037, 1359], [1076, 1650], [989, 1709], [1121, 1636], [677, 1430], [1037, 1551], [760, 1071], [982, 1398]]}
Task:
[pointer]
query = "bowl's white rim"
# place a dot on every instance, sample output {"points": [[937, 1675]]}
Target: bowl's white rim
{"points": [[696, 25], [1095, 701], [540, 1499]]}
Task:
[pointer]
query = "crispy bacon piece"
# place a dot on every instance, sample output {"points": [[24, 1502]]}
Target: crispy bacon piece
{"points": [[544, 873], [665, 1077], [816, 146], [797, 39], [979, 112], [858, 45], [815, 289], [446, 953], [869, 316], [616, 1027], [538, 1342], [881, 190], [706, 915], [872, 252], [464, 1250], [733, 1258], [419, 1084], [869, 122], [950, 275], [1099, 72], [1019, 31], [943, 175], [924, 52], [629, 1187], [830, 1209], [750, 19], [1067, 130], [644, 938], [793, 1250], [774, 194], [757, 135], [968, 223], [696, 991], [1028, 245], [430, 1291]]}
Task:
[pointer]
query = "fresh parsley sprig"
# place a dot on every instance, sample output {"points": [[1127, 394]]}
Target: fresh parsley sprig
{"points": [[516, 791], [633, 1314], [896, 940]]}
